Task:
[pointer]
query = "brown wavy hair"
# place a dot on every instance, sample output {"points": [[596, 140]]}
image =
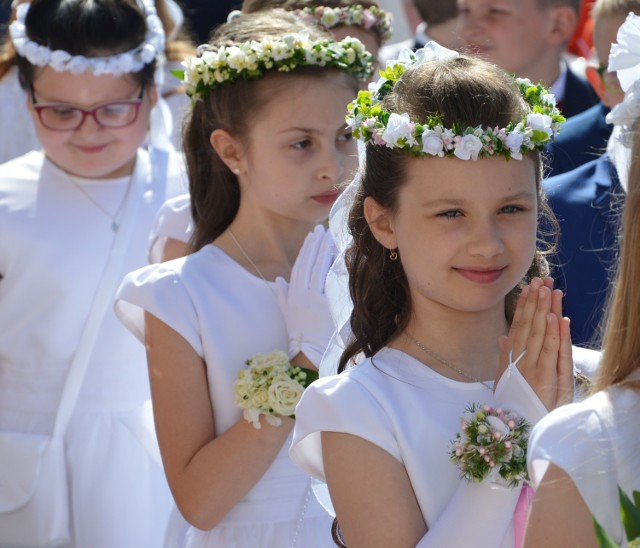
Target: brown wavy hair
{"points": [[466, 91]]}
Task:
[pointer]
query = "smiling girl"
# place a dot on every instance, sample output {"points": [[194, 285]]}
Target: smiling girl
{"points": [[451, 308], [74, 218]]}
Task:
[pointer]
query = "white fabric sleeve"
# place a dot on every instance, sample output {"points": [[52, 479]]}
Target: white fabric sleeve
{"points": [[574, 438], [337, 404], [491, 506], [157, 289], [173, 220], [514, 393]]}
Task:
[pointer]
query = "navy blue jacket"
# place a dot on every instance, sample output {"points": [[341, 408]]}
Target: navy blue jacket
{"points": [[587, 203], [582, 138], [578, 95]]}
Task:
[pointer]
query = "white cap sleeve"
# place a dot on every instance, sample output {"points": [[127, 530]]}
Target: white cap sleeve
{"points": [[338, 404], [173, 220], [157, 289]]}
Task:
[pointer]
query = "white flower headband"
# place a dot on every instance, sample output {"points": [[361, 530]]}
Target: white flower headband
{"points": [[371, 124], [61, 61], [368, 18], [217, 67], [624, 59]]}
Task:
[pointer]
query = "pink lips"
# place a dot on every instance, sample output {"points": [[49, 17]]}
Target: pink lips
{"points": [[327, 197], [481, 276], [91, 149]]}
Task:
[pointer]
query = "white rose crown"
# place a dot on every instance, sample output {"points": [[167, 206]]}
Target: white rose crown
{"points": [[213, 68], [371, 124]]}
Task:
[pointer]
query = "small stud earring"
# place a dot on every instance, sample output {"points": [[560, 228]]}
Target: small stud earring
{"points": [[237, 171], [393, 255]]}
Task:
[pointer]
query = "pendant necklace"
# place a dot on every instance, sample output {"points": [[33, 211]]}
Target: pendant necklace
{"points": [[444, 362], [115, 218]]}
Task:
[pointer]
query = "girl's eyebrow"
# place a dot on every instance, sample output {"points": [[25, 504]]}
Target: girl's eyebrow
{"points": [[312, 131], [293, 129], [458, 202]]}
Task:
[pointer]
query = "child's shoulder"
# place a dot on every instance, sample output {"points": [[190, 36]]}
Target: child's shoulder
{"points": [[19, 181], [23, 168]]}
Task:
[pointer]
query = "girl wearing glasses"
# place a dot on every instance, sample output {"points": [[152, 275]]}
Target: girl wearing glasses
{"points": [[13, 108], [74, 218]]}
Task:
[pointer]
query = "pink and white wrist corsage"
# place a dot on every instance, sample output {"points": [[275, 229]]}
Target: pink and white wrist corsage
{"points": [[491, 446]]}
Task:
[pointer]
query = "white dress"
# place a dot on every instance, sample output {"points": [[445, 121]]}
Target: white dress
{"points": [[172, 221], [54, 244], [18, 134], [413, 413], [227, 314], [597, 443]]}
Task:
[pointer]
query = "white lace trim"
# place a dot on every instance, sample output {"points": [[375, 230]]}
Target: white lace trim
{"points": [[61, 61]]}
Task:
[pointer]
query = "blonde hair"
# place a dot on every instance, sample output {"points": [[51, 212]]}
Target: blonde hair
{"points": [[610, 8], [621, 340]]}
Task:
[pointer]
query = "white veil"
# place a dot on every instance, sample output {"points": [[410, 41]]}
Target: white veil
{"points": [[337, 284]]}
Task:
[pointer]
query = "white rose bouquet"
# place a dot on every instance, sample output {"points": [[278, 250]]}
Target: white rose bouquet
{"points": [[491, 445], [270, 386]]}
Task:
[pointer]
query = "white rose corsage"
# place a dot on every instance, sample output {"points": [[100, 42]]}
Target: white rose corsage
{"points": [[492, 446], [270, 386]]}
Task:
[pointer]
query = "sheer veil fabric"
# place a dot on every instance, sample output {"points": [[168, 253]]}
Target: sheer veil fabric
{"points": [[337, 284]]}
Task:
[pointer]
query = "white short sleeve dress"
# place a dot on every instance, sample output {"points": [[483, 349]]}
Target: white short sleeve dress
{"points": [[54, 244], [227, 314], [597, 443]]}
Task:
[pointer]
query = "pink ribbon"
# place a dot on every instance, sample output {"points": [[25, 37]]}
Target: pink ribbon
{"points": [[520, 514]]}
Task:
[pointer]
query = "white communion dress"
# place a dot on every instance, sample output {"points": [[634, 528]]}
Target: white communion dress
{"points": [[54, 244], [227, 314], [597, 443], [413, 413]]}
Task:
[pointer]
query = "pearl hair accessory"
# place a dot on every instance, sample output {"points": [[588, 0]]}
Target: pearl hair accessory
{"points": [[61, 61]]}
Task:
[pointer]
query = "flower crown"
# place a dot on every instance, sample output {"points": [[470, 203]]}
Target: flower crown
{"points": [[214, 68], [371, 124], [357, 15], [61, 61]]}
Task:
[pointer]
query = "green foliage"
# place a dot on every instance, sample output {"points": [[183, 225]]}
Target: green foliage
{"points": [[630, 516]]}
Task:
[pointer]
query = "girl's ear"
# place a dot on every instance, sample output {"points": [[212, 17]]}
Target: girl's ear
{"points": [[380, 223], [228, 148]]}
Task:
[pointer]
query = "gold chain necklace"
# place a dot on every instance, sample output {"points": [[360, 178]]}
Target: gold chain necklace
{"points": [[444, 362], [246, 256], [115, 221]]}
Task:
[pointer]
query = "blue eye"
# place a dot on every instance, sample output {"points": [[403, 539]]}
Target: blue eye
{"points": [[510, 209], [346, 137]]}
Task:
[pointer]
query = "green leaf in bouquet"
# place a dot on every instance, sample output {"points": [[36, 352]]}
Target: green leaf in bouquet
{"points": [[604, 540], [630, 514]]}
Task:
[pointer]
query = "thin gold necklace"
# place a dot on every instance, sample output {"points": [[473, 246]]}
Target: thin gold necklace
{"points": [[115, 221], [444, 362], [246, 256]]}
